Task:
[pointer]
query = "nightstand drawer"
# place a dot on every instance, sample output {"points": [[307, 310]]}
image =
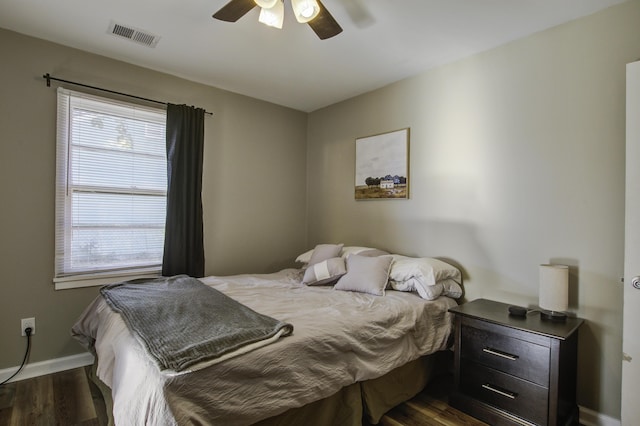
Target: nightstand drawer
{"points": [[517, 357], [522, 398]]}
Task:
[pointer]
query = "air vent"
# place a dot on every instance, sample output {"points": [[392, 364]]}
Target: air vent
{"points": [[133, 34]]}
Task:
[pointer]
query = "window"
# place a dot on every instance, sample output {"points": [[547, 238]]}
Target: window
{"points": [[110, 189]]}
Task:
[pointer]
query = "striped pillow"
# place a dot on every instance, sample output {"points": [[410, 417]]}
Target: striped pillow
{"points": [[325, 272]]}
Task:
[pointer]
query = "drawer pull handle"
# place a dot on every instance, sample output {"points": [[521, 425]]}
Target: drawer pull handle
{"points": [[511, 395], [500, 354]]}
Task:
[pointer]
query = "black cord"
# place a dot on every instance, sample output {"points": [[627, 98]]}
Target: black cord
{"points": [[27, 331]]}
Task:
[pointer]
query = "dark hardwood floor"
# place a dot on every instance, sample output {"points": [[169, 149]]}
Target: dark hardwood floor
{"points": [[70, 398], [64, 398], [430, 407]]}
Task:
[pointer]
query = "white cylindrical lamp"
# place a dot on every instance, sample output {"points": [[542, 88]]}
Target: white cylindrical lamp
{"points": [[554, 292]]}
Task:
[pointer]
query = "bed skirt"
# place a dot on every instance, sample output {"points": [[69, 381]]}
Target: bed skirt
{"points": [[362, 403]]}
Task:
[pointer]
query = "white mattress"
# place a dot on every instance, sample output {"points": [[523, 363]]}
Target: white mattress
{"points": [[339, 338]]}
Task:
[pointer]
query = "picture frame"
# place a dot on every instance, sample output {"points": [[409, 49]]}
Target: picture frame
{"points": [[382, 166]]}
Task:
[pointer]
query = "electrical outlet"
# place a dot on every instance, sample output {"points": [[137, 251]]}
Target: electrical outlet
{"points": [[28, 322]]}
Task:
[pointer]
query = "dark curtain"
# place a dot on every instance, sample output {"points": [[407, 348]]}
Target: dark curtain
{"points": [[183, 237]]}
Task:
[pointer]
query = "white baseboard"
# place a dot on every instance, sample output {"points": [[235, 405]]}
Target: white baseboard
{"points": [[593, 418], [47, 367]]}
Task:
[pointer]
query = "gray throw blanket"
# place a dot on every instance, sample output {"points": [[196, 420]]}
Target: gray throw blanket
{"points": [[182, 322]]}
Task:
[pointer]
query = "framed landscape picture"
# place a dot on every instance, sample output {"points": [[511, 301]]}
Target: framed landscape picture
{"points": [[382, 166]]}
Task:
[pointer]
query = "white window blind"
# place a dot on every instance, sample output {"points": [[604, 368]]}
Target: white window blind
{"points": [[111, 187]]}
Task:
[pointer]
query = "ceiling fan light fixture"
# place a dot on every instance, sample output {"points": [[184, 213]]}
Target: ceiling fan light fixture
{"points": [[305, 10], [273, 16], [311, 12], [266, 4]]}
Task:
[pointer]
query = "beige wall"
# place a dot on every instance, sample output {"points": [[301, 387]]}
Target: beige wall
{"points": [[517, 159], [253, 191]]}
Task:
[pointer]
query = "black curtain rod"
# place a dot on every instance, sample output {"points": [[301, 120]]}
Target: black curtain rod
{"points": [[49, 78]]}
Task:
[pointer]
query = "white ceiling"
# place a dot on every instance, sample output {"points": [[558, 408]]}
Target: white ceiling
{"points": [[383, 40]]}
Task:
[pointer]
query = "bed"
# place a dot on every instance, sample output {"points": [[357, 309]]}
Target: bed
{"points": [[352, 354]]}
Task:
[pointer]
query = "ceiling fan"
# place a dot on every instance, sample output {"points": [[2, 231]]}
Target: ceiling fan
{"points": [[311, 12]]}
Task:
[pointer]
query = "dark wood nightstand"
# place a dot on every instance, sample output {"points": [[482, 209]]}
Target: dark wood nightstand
{"points": [[514, 370]]}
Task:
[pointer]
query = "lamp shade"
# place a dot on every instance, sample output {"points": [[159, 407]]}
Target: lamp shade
{"points": [[554, 287], [274, 16], [267, 4]]}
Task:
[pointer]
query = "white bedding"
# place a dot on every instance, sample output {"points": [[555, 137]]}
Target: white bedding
{"points": [[339, 338]]}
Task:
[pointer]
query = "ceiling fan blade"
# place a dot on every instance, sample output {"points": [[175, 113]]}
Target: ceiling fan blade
{"points": [[234, 10], [324, 25]]}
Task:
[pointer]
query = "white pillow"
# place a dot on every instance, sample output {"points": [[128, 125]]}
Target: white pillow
{"points": [[362, 251], [365, 274], [446, 287], [325, 272], [451, 288], [304, 257], [319, 253], [427, 270]]}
